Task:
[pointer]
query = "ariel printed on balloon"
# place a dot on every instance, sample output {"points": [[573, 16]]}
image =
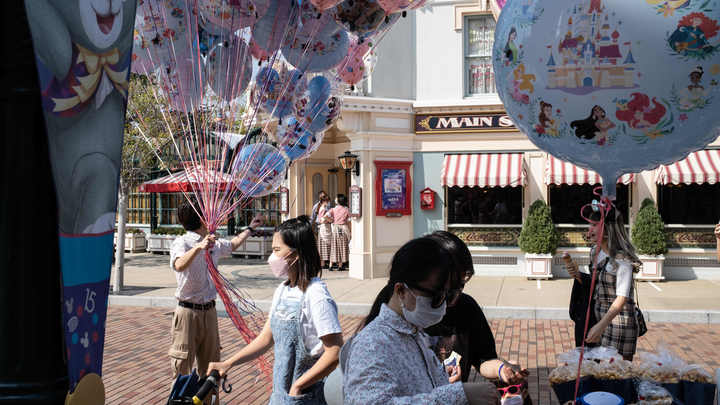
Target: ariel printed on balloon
{"points": [[614, 86]]}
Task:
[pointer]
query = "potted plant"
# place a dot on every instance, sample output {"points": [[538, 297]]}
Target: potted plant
{"points": [[161, 239], [648, 237], [134, 240], [539, 240]]}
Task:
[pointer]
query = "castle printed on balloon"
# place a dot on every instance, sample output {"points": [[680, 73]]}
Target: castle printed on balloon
{"points": [[592, 55]]}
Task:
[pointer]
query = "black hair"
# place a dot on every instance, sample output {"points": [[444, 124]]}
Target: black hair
{"points": [[187, 216], [415, 262], [586, 128], [342, 200], [297, 234], [321, 192], [459, 253]]}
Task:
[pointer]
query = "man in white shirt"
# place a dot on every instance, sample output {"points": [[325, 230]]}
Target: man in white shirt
{"points": [[195, 327]]}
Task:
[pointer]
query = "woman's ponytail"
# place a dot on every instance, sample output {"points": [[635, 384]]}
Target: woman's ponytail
{"points": [[383, 297]]}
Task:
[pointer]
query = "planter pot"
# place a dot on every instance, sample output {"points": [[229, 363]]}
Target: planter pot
{"points": [[652, 268], [134, 242], [538, 266], [159, 243]]}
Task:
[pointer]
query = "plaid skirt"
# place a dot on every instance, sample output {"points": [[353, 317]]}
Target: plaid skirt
{"points": [[324, 241], [622, 333], [339, 249]]}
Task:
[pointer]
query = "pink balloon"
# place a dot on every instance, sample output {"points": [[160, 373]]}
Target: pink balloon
{"points": [[392, 6], [352, 68], [323, 5]]}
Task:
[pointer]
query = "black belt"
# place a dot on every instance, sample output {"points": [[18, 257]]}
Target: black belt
{"points": [[201, 307]]}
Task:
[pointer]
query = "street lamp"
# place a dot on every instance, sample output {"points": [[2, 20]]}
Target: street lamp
{"points": [[349, 162]]}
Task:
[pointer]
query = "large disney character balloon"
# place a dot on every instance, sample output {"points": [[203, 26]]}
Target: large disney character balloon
{"points": [[275, 92], [295, 141], [359, 16], [232, 14], [318, 107], [611, 85]]}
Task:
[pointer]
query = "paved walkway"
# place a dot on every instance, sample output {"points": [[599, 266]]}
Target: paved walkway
{"points": [[137, 369], [149, 278]]}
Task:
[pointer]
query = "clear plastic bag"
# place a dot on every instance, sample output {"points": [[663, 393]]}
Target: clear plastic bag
{"points": [[696, 373], [653, 394], [662, 367]]}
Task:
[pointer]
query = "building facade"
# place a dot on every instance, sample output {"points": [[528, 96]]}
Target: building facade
{"points": [[430, 106]]}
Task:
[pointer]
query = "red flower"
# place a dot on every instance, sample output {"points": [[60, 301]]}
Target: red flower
{"points": [[539, 129]]}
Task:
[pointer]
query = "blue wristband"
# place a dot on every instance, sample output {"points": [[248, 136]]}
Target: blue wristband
{"points": [[500, 371]]}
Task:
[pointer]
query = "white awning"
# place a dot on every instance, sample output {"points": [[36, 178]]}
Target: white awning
{"points": [[484, 170], [698, 168], [561, 172]]}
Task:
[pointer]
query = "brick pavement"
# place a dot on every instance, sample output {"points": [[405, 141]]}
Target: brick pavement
{"points": [[137, 370]]}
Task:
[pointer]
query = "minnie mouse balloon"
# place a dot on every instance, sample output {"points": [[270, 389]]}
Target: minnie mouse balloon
{"points": [[228, 68], [352, 69], [295, 141], [258, 169], [317, 108], [611, 85]]}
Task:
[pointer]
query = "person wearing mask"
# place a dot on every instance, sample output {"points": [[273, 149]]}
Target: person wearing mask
{"points": [[464, 328], [302, 328], [614, 307], [314, 217], [324, 233], [339, 216], [389, 361], [194, 330]]}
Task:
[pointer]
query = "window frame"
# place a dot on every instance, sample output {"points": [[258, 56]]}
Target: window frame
{"points": [[448, 201], [466, 57]]}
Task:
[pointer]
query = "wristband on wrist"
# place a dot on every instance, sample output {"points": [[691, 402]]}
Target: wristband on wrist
{"points": [[500, 371]]}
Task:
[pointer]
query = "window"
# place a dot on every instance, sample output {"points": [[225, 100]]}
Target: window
{"points": [[332, 185], [167, 208], [692, 204], [268, 206], [567, 200], [479, 33], [483, 206], [317, 185], [138, 211]]}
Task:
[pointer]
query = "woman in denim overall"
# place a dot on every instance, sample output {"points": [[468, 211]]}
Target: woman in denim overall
{"points": [[303, 326]]}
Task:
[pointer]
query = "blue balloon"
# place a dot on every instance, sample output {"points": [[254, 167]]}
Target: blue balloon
{"points": [[610, 85], [277, 25], [258, 169]]}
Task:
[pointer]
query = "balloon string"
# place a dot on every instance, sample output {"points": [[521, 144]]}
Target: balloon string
{"points": [[597, 231]]}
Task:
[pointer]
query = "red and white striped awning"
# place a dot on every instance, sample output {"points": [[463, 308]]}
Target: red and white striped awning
{"points": [[561, 172], [698, 168], [484, 170], [185, 180]]}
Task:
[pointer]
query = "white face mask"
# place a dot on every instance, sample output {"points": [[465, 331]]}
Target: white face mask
{"points": [[512, 400], [424, 315]]}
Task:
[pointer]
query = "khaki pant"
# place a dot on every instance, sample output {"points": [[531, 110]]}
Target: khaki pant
{"points": [[194, 336]]}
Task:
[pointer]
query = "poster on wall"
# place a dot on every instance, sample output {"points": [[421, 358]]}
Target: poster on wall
{"points": [[83, 62], [393, 188]]}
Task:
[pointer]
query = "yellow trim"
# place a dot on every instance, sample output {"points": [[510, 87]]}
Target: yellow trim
{"points": [[467, 130]]}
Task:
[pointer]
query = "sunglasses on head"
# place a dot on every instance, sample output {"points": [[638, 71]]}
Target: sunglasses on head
{"points": [[438, 297]]}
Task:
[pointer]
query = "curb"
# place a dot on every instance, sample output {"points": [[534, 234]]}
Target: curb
{"points": [[356, 309]]}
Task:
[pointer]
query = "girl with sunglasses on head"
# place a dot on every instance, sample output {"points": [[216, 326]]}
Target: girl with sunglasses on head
{"points": [[465, 330], [614, 306], [303, 327], [389, 360]]}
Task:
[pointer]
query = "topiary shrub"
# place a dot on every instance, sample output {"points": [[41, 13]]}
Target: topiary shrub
{"points": [[538, 234], [648, 231]]}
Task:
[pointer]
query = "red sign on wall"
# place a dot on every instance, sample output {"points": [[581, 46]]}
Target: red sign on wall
{"points": [[393, 188]]}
